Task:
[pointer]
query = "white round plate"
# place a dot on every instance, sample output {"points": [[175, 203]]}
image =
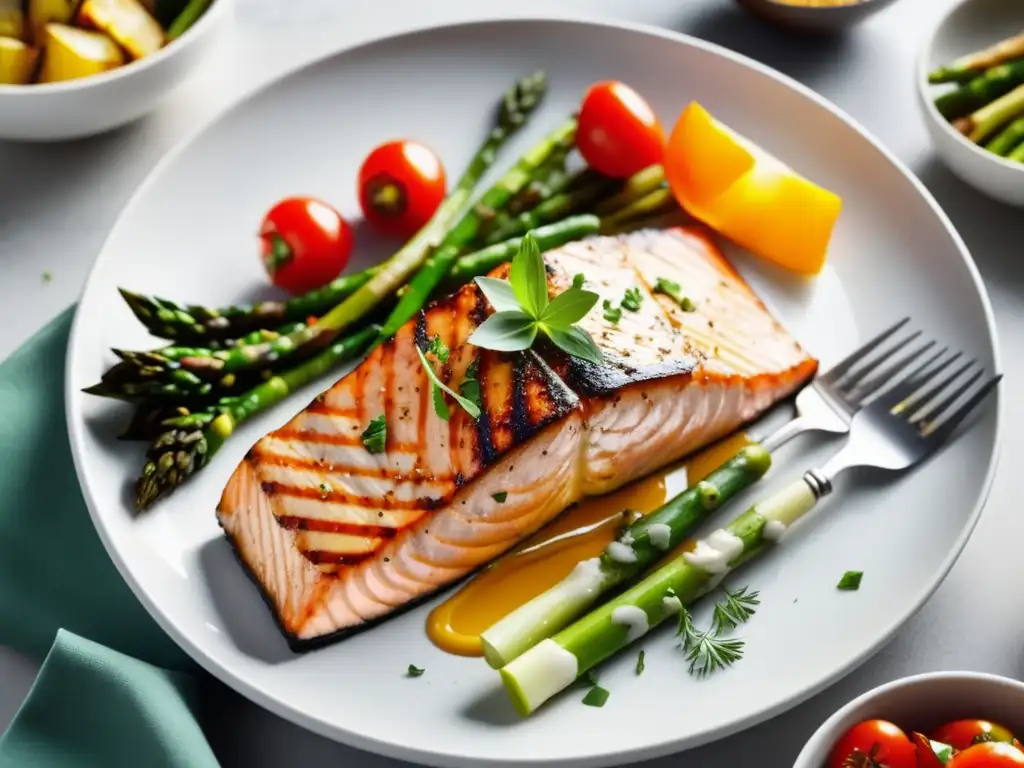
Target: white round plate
{"points": [[189, 234]]}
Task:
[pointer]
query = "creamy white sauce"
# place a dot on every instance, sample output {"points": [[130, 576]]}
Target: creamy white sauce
{"points": [[543, 671], [585, 579], [671, 605], [659, 535], [626, 538], [773, 530], [714, 553], [632, 617], [621, 553]]}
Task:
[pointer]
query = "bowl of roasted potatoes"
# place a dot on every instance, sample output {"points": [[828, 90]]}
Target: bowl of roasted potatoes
{"points": [[74, 68]]}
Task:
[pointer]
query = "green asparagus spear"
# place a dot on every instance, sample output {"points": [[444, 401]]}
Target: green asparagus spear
{"points": [[670, 217], [973, 64], [197, 324], [468, 228], [189, 16], [982, 123], [550, 236], [549, 180], [657, 202], [1017, 155], [985, 88], [147, 420], [554, 663], [516, 106], [190, 440], [641, 545], [639, 185], [553, 209], [1007, 139]]}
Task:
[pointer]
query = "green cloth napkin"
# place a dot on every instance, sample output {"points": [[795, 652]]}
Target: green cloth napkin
{"points": [[114, 690]]}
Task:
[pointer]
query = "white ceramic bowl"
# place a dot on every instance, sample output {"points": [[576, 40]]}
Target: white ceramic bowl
{"points": [[91, 105], [971, 25], [922, 703]]}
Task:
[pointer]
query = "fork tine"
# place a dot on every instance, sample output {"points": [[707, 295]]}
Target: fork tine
{"points": [[922, 396], [894, 398], [928, 408], [939, 431], [843, 366], [890, 374], [853, 379]]}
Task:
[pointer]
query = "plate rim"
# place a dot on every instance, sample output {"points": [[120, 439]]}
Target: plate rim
{"points": [[287, 711]]}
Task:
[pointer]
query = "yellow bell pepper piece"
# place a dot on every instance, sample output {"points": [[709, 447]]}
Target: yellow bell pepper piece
{"points": [[749, 196]]}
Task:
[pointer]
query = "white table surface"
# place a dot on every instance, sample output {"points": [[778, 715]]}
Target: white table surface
{"points": [[65, 197]]}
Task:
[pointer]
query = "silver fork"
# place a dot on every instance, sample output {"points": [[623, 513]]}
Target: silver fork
{"points": [[830, 401], [897, 430]]}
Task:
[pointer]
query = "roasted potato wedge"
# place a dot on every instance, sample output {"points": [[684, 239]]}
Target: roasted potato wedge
{"points": [[127, 22], [43, 12], [70, 53], [12, 20], [17, 61]]}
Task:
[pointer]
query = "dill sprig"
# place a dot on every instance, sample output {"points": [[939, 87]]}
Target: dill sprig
{"points": [[708, 651], [737, 609]]}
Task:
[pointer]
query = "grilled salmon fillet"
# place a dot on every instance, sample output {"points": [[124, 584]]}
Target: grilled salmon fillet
{"points": [[337, 537]]}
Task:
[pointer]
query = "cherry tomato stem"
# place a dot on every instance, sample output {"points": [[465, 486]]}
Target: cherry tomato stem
{"points": [[305, 243], [401, 185]]}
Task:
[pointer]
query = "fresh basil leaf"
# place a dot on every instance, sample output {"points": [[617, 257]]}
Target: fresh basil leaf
{"points": [[578, 280], [505, 332], [440, 406], [576, 342], [568, 307], [528, 277], [499, 293], [375, 435], [470, 386]]}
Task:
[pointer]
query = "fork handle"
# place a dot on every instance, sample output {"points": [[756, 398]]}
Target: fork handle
{"points": [[792, 428], [790, 503]]}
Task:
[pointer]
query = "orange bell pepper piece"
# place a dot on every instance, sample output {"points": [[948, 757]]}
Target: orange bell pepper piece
{"points": [[747, 195]]}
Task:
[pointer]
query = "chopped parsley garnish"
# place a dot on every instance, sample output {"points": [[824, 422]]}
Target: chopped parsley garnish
{"points": [[578, 279], [596, 697], [470, 386], [375, 435], [324, 491], [850, 581], [640, 663], [415, 671], [631, 299], [500, 496], [611, 314], [437, 348], [674, 291]]}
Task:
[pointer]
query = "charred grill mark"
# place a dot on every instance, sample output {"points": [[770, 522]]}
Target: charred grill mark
{"points": [[296, 523], [590, 380], [320, 557], [387, 361], [562, 397], [420, 333], [521, 423], [311, 436], [478, 313], [328, 495], [484, 426], [319, 406], [382, 473]]}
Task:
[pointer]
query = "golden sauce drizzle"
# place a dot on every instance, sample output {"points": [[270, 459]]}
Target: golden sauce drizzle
{"points": [[549, 555]]}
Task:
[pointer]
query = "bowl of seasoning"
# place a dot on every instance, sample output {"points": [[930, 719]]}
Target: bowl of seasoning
{"points": [[817, 16]]}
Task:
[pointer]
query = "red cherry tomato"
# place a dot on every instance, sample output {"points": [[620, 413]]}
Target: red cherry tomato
{"points": [[873, 743], [618, 133], [305, 244], [991, 754], [961, 734], [401, 184]]}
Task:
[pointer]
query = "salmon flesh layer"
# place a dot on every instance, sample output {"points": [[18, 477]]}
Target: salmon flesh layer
{"points": [[337, 537]]}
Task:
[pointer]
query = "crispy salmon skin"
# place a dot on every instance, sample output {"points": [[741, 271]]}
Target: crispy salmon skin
{"points": [[337, 537]]}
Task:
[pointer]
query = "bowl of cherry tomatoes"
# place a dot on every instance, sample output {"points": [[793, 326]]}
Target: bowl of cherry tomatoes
{"points": [[951, 719]]}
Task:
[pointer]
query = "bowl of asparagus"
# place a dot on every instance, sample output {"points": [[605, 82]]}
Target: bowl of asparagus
{"points": [[971, 92]]}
